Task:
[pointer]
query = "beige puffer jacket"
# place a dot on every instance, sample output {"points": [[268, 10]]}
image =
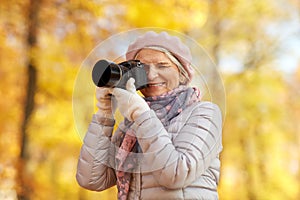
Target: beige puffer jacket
{"points": [[181, 161]]}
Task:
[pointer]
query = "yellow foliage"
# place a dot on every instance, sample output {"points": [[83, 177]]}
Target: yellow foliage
{"points": [[179, 15], [261, 141]]}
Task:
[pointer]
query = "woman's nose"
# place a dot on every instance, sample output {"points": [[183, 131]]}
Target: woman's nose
{"points": [[152, 72]]}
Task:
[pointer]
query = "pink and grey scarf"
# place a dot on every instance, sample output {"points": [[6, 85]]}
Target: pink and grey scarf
{"points": [[166, 107]]}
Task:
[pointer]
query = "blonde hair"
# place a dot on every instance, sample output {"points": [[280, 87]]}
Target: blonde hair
{"points": [[183, 75]]}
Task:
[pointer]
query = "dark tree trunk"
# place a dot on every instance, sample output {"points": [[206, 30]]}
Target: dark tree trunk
{"points": [[31, 74]]}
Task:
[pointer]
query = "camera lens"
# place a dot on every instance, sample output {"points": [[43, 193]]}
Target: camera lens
{"points": [[106, 74]]}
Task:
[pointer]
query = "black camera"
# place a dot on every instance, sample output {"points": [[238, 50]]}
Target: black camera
{"points": [[109, 74]]}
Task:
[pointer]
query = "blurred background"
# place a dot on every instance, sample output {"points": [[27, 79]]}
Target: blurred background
{"points": [[254, 44]]}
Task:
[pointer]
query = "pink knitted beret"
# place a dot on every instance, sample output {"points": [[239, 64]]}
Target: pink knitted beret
{"points": [[164, 40]]}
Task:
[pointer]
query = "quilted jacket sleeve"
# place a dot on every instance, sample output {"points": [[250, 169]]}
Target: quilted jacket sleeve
{"points": [[179, 162], [94, 170]]}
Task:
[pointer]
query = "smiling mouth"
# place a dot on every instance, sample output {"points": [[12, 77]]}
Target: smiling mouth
{"points": [[155, 84]]}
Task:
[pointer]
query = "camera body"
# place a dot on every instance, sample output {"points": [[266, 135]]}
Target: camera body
{"points": [[109, 74]]}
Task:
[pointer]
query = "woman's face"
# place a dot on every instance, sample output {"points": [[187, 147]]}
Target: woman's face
{"points": [[163, 75]]}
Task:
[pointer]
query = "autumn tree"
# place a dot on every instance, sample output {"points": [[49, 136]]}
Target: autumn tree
{"points": [[31, 44], [43, 45]]}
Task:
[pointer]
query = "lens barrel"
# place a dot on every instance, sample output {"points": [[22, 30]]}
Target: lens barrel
{"points": [[106, 74]]}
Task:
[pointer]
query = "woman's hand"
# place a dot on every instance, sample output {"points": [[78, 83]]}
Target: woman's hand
{"points": [[130, 104], [103, 96]]}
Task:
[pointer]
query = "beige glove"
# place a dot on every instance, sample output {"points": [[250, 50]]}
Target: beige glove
{"points": [[130, 104], [104, 102]]}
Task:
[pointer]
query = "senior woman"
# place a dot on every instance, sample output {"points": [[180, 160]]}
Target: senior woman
{"points": [[168, 146]]}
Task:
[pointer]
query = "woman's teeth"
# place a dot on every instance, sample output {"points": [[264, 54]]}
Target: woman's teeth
{"points": [[155, 84]]}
